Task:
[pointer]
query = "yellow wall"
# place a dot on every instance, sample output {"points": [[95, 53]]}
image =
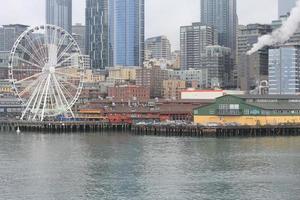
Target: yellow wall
{"points": [[122, 73], [248, 120]]}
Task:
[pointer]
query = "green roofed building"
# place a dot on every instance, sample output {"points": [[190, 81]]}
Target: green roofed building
{"points": [[250, 110]]}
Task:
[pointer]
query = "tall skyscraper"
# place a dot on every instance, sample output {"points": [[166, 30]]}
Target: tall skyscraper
{"points": [[59, 13], [285, 6], [115, 32], [97, 35], [284, 65], [127, 31], [222, 15], [193, 41], [217, 60], [159, 47]]}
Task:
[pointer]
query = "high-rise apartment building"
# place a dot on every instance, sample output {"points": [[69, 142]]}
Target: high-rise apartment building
{"points": [[127, 31], [158, 47], [4, 57], [195, 78], [152, 78], [193, 40], [284, 67], [222, 15], [79, 35], [97, 33], [217, 60], [9, 34], [285, 6], [252, 69], [59, 13]]}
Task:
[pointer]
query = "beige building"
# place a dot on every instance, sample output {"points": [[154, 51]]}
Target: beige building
{"points": [[5, 87], [122, 73], [175, 60], [172, 88], [152, 78], [93, 77]]}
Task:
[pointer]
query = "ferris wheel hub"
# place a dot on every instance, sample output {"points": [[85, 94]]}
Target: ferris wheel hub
{"points": [[52, 70], [49, 69]]}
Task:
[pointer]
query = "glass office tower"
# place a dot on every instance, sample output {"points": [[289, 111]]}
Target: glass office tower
{"points": [[115, 32], [284, 68], [222, 15], [127, 32], [97, 33], [59, 13]]}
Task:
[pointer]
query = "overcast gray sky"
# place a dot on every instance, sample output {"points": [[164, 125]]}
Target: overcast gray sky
{"points": [[163, 17]]}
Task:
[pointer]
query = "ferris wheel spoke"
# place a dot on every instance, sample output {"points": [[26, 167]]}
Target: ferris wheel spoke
{"points": [[61, 94], [67, 75], [32, 98], [53, 98], [33, 47], [66, 90], [65, 67], [64, 82], [27, 62], [26, 70], [34, 83], [54, 37], [61, 42], [68, 83], [43, 49], [65, 50], [46, 36], [28, 78], [46, 97], [66, 59], [40, 96], [58, 97], [30, 54]]}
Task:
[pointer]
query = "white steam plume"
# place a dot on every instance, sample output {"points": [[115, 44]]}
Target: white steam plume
{"points": [[281, 35]]}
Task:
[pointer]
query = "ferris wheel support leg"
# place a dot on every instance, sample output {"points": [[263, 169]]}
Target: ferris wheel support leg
{"points": [[40, 99], [61, 93], [72, 113], [30, 101], [45, 98], [58, 97]]}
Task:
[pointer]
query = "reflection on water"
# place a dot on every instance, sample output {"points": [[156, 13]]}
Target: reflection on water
{"points": [[121, 166]]}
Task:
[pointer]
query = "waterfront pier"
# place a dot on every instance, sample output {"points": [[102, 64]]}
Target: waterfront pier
{"points": [[151, 130]]}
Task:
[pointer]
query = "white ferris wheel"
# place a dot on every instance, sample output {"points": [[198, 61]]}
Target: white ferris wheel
{"points": [[46, 70]]}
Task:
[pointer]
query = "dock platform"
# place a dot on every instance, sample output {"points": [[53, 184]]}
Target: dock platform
{"points": [[153, 130]]}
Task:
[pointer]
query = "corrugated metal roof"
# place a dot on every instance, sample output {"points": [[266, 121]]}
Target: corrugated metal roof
{"points": [[277, 105], [285, 97]]}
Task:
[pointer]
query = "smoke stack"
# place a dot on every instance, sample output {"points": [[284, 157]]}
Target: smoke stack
{"points": [[281, 35]]}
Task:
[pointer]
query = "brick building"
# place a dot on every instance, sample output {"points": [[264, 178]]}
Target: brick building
{"points": [[129, 92], [172, 88]]}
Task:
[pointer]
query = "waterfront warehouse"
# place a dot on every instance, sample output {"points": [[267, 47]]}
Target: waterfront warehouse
{"points": [[250, 110]]}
